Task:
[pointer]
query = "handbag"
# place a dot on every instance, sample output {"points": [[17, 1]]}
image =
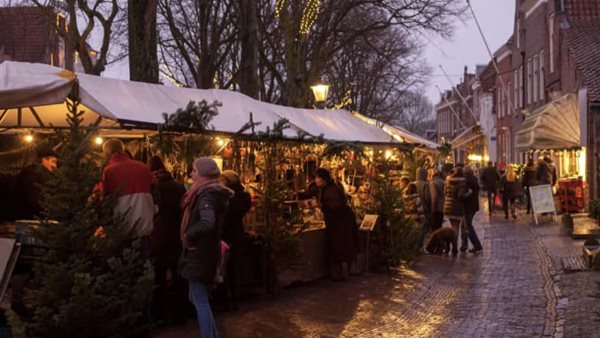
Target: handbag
{"points": [[498, 202]]}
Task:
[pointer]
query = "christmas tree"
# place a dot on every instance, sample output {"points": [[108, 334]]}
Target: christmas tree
{"points": [[84, 285]]}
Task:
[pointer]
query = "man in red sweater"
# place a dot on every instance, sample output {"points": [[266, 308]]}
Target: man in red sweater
{"points": [[131, 183]]}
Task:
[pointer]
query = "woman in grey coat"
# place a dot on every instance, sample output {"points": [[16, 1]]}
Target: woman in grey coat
{"points": [[436, 187]]}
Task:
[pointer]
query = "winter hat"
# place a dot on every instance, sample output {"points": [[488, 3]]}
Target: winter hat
{"points": [[231, 176], [206, 166], [155, 163]]}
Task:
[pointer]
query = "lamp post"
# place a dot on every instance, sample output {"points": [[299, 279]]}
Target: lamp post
{"points": [[320, 91]]}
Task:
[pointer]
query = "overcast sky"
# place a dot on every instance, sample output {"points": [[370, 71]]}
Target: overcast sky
{"points": [[466, 47]]}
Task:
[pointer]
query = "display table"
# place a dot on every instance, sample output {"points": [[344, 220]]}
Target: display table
{"points": [[314, 265], [571, 195]]}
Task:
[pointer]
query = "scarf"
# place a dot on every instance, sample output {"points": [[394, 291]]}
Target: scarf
{"points": [[187, 203]]}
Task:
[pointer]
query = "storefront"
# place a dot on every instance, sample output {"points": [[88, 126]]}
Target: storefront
{"points": [[470, 147]]}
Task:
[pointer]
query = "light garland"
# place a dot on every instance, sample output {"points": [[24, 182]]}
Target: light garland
{"points": [[309, 16], [279, 7], [346, 100]]}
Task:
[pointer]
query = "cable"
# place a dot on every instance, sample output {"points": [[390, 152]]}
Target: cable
{"points": [[452, 109], [460, 95]]}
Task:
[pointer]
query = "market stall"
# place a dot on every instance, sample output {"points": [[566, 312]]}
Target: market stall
{"points": [[274, 148], [553, 130]]}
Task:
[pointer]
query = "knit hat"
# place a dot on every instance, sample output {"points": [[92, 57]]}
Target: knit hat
{"points": [[231, 176], [206, 166], [155, 163]]}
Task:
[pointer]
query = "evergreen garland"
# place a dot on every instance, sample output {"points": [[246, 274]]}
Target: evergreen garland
{"points": [[84, 285]]}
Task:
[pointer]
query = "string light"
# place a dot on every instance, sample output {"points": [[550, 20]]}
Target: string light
{"points": [[279, 7], [309, 16], [28, 138], [99, 140]]}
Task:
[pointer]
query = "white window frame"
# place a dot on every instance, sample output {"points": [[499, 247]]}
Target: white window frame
{"points": [[534, 83], [521, 87], [515, 89], [541, 81], [529, 87], [551, 41]]}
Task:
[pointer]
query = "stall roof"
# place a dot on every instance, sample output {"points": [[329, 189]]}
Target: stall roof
{"points": [[33, 96], [400, 134], [552, 126], [471, 133]]}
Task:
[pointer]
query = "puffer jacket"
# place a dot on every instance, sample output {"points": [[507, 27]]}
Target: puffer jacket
{"points": [[204, 234], [454, 194], [437, 194]]}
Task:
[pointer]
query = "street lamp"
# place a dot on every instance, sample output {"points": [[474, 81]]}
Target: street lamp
{"points": [[320, 91]]}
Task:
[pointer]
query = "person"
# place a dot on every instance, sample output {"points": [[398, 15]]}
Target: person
{"points": [[454, 195], [204, 206], [471, 208], [436, 187], [340, 224], [29, 194], [489, 181], [130, 182], [510, 188], [423, 191], [543, 172], [165, 246], [414, 204], [233, 230], [529, 180], [404, 181], [553, 174], [30, 182]]}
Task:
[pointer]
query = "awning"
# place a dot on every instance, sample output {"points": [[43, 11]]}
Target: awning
{"points": [[33, 96], [468, 135], [552, 126], [400, 134]]}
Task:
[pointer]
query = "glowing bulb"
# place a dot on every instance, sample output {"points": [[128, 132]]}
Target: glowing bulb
{"points": [[388, 154], [220, 142], [99, 140], [28, 138]]}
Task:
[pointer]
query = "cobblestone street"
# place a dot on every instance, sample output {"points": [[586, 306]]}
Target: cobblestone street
{"points": [[514, 288]]}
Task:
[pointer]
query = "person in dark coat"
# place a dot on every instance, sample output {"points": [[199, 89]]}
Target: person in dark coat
{"points": [[340, 222], [30, 182], [165, 245], [436, 187], [233, 230], [543, 172], [490, 177], [454, 195], [204, 207], [511, 189], [471, 208], [529, 180]]}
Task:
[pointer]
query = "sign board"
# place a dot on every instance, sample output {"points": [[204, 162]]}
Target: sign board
{"points": [[542, 200], [368, 223], [9, 251]]}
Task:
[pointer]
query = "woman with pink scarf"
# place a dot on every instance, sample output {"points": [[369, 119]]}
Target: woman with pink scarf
{"points": [[204, 206]]}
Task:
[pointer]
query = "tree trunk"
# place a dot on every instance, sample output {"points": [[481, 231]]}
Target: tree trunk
{"points": [[143, 58], [248, 26]]}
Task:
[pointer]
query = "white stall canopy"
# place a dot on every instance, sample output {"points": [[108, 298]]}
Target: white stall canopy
{"points": [[552, 126], [33, 96]]}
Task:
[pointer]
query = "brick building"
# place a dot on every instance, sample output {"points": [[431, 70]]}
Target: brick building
{"points": [[484, 106], [27, 34]]}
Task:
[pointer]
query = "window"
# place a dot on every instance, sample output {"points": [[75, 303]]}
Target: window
{"points": [[500, 103], [515, 88], [508, 105], [536, 71], [521, 87], [518, 33], [529, 84], [551, 42], [541, 80]]}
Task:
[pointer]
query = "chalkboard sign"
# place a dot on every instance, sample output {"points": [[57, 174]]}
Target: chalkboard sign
{"points": [[542, 200]]}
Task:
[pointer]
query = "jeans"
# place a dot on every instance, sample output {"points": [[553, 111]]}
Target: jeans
{"points": [[199, 297], [505, 202], [471, 231], [491, 195]]}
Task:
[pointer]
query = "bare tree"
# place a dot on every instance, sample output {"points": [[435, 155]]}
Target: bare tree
{"points": [[248, 37], [83, 16], [416, 114], [143, 57], [197, 41]]}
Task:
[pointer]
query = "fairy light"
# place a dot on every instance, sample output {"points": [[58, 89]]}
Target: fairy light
{"points": [[279, 7], [28, 138], [99, 140], [309, 16]]}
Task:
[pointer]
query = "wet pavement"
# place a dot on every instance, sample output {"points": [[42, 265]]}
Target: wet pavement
{"points": [[514, 288]]}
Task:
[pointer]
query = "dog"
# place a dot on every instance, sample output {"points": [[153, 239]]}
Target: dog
{"points": [[440, 241]]}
